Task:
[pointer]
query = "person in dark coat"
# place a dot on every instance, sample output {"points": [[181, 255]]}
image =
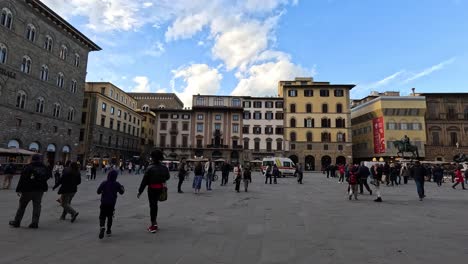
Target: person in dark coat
{"points": [[364, 173], [418, 172], [9, 171], [181, 174], [71, 178], [247, 178], [108, 191], [226, 168], [155, 178], [31, 187]]}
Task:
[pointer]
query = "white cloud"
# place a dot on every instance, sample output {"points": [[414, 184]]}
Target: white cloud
{"points": [[197, 79], [143, 84], [429, 70], [265, 5], [156, 50], [186, 27], [262, 79]]}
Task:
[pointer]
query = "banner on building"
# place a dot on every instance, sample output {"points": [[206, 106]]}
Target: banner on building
{"points": [[379, 135]]}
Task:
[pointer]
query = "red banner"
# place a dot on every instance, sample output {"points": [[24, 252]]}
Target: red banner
{"points": [[379, 135]]}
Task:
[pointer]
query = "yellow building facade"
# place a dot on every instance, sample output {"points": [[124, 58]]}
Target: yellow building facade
{"points": [[382, 118], [317, 122]]}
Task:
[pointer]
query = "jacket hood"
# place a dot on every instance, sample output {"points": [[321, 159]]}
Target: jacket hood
{"points": [[112, 176]]}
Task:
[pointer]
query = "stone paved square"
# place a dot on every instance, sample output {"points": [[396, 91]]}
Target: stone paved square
{"points": [[283, 223]]}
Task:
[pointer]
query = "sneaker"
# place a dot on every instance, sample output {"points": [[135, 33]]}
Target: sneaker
{"points": [[14, 224], [153, 228], [34, 226], [180, 192], [74, 217], [109, 232], [350, 197], [378, 200], [101, 233]]}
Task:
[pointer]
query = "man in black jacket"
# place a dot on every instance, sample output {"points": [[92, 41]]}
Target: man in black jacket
{"points": [[181, 174], [363, 173], [418, 172], [31, 187], [225, 173]]}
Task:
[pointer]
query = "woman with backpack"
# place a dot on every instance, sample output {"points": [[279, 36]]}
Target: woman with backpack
{"points": [[68, 183], [197, 179]]}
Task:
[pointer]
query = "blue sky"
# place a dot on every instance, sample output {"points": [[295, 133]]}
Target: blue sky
{"points": [[244, 47]]}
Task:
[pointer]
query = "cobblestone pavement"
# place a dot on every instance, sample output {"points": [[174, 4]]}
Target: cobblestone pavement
{"points": [[283, 223]]}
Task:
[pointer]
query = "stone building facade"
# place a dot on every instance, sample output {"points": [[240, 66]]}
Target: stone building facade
{"points": [[148, 132], [217, 127], [110, 125], [382, 118], [317, 122], [43, 61], [157, 101], [446, 125], [262, 128]]}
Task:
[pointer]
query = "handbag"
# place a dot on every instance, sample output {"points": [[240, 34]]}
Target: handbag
{"points": [[384, 178], [163, 195]]}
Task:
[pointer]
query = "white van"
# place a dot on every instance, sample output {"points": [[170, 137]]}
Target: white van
{"points": [[285, 165]]}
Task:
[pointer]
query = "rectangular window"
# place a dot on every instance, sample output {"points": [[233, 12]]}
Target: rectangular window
{"points": [[83, 118], [103, 90], [451, 114], [200, 127], [173, 141], [268, 104], [103, 120], [308, 93], [162, 140], [247, 104], [234, 143], [199, 117], [164, 116], [279, 104], [217, 126], [309, 108], [309, 146], [257, 130], [257, 146], [104, 107], [184, 141], [217, 117], [324, 93], [269, 130], [119, 113], [279, 115], [163, 126], [199, 143], [112, 110], [118, 125], [117, 142], [235, 128], [246, 115], [279, 145], [235, 117], [257, 115], [268, 146], [185, 126], [82, 131], [236, 102], [453, 138], [404, 126], [185, 116], [435, 139], [292, 93], [257, 104], [246, 144], [269, 115], [111, 123], [125, 116], [124, 127], [279, 130], [292, 108], [174, 126], [339, 93], [174, 116], [245, 129]]}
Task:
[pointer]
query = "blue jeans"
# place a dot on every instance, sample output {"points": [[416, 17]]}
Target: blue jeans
{"points": [[420, 188], [209, 177]]}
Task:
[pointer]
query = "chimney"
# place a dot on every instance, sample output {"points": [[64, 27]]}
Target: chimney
{"points": [[413, 89]]}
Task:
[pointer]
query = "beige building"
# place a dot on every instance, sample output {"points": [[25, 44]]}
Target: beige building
{"points": [[157, 101], [380, 119], [317, 122], [111, 125], [173, 135], [148, 132], [217, 127]]}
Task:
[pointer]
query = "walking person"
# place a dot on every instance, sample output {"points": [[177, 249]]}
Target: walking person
{"points": [[438, 174], [333, 171], [9, 171], [209, 172], [155, 179], [247, 177], [93, 171], [225, 173], [405, 172], [268, 173], [197, 179], [57, 171], [275, 173], [181, 174], [418, 173], [353, 183], [68, 183], [108, 191], [238, 176], [386, 173], [31, 187], [393, 175], [88, 171], [459, 178], [363, 174], [327, 169], [378, 172], [299, 173], [341, 171]]}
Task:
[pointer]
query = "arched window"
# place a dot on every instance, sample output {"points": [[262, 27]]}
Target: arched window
{"points": [[60, 80], [292, 136], [309, 108], [21, 99], [324, 108], [326, 137], [77, 60], [63, 52], [340, 122], [56, 112], [340, 137], [309, 137], [6, 18], [73, 86], [309, 122], [31, 33], [145, 108], [71, 114], [48, 43], [34, 146], [13, 143], [326, 122], [26, 65], [44, 73], [40, 105], [292, 122], [3, 53], [292, 108], [339, 108]]}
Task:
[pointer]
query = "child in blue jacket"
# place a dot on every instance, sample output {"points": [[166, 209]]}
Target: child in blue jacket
{"points": [[108, 191]]}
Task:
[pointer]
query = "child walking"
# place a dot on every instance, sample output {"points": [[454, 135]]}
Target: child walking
{"points": [[108, 191], [353, 183]]}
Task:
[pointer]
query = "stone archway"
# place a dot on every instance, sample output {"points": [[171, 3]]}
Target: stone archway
{"points": [[326, 160], [309, 163]]}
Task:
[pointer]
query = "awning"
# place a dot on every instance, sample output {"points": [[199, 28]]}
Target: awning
{"points": [[220, 160], [255, 161], [16, 151]]}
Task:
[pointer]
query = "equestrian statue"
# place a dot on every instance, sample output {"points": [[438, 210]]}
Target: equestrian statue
{"points": [[404, 146]]}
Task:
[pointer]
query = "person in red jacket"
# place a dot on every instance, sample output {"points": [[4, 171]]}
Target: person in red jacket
{"points": [[459, 178], [353, 183], [155, 178], [341, 170]]}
